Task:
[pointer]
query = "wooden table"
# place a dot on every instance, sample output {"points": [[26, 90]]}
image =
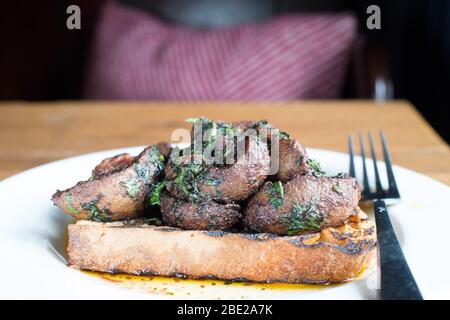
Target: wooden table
{"points": [[35, 133]]}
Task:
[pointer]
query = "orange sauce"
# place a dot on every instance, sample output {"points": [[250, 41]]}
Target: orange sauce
{"points": [[213, 289], [128, 278]]}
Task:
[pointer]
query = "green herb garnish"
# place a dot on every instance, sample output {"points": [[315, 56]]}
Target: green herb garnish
{"points": [[304, 217], [188, 177], [70, 205], [217, 130], [155, 196], [181, 182], [132, 186], [279, 187], [276, 194], [211, 131], [96, 213], [264, 124], [144, 171], [213, 181], [157, 158], [315, 166]]}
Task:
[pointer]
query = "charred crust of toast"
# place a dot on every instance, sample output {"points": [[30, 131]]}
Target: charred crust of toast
{"points": [[342, 236], [369, 231], [168, 229], [358, 247], [180, 275], [242, 279], [215, 233], [247, 236], [150, 272], [350, 248], [259, 236]]}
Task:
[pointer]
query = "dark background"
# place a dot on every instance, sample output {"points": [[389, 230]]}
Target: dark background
{"points": [[40, 59]]}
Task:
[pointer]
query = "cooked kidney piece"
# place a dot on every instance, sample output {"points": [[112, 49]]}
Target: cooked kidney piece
{"points": [[118, 189], [305, 203], [207, 215]]}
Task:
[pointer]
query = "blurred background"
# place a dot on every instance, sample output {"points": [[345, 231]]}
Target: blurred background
{"points": [[229, 50]]}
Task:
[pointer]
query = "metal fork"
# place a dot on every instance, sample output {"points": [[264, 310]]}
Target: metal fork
{"points": [[397, 281]]}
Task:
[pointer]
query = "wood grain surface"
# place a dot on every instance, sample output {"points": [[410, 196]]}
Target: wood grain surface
{"points": [[35, 133]]}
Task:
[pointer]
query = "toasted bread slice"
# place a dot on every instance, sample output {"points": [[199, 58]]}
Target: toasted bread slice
{"points": [[331, 255]]}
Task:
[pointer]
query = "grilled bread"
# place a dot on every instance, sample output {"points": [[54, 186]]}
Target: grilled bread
{"points": [[330, 255]]}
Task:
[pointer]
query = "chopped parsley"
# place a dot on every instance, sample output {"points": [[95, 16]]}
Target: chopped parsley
{"points": [[96, 213], [188, 177], [144, 172], [155, 195], [276, 194], [132, 186], [213, 181], [207, 134], [190, 174], [157, 158], [216, 130], [315, 166], [264, 124], [70, 205], [304, 217]]}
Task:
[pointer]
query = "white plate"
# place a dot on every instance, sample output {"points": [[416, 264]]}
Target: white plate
{"points": [[33, 231]]}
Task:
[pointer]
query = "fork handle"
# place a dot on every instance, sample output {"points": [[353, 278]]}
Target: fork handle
{"points": [[397, 281]]}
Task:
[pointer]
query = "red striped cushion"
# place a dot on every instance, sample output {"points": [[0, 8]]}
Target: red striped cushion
{"points": [[136, 56]]}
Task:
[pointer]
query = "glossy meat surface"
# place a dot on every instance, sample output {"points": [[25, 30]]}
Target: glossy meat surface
{"points": [[109, 165], [116, 194], [223, 183], [293, 160], [198, 216], [306, 203]]}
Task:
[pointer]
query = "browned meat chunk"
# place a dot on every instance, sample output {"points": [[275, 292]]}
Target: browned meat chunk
{"points": [[115, 195], [293, 160], [198, 216], [109, 165], [122, 160], [304, 203], [220, 182], [292, 156], [165, 148]]}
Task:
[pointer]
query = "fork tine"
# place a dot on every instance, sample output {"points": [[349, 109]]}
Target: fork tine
{"points": [[366, 187], [379, 188], [393, 190], [351, 151]]}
